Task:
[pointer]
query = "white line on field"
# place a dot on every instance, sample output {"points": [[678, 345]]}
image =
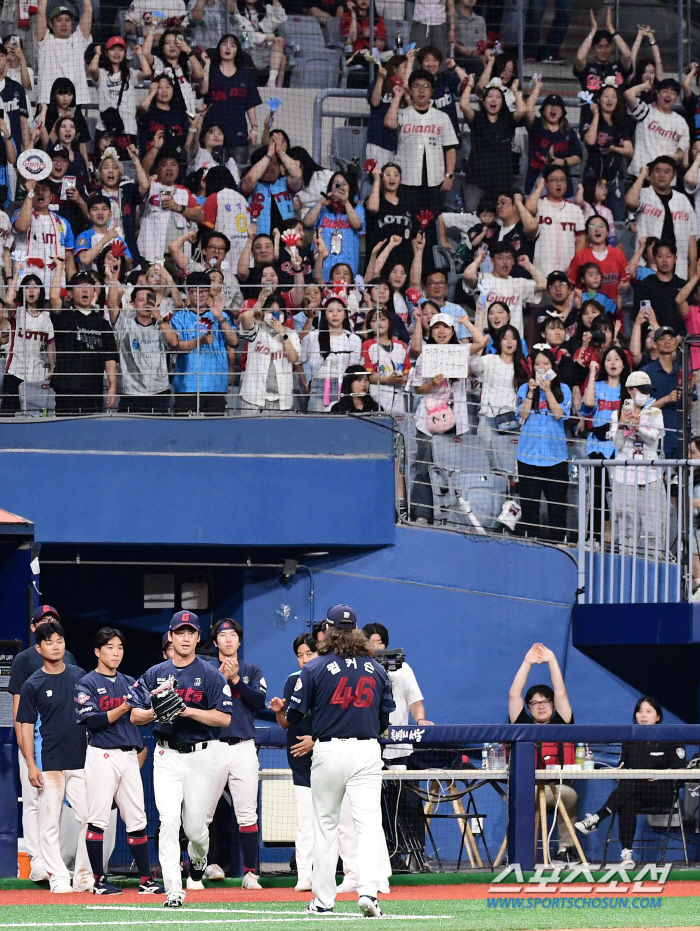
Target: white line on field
{"points": [[230, 921]]}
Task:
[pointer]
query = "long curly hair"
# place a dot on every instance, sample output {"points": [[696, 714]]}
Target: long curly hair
{"points": [[345, 643]]}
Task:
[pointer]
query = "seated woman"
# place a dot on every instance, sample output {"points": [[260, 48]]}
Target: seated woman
{"points": [[354, 393], [632, 795]]}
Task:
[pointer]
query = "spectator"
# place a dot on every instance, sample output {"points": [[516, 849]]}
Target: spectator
{"points": [[664, 212], [647, 70], [226, 211], [273, 351], [270, 185], [497, 316], [140, 18], [62, 51], [499, 285], [216, 248], [517, 226], [470, 30], [388, 362], [433, 24], [327, 9], [561, 223], [144, 339], [661, 288], [231, 96], [561, 297], [329, 350], [13, 100], [354, 393], [643, 253], [389, 212], [168, 208], [544, 705], [691, 181], [435, 289], [591, 197], [85, 348], [490, 166], [631, 795], [32, 353], [90, 244], [208, 21], [355, 27], [124, 194], [258, 20], [339, 222], [42, 235], [608, 143], [601, 43], [314, 180], [688, 301], [165, 127], [203, 334], [175, 58], [427, 147], [116, 89], [659, 131], [543, 405], [447, 89], [547, 51], [588, 281], [61, 104], [611, 261], [551, 140], [665, 378]]}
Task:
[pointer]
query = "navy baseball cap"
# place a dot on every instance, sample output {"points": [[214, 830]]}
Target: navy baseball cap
{"points": [[42, 611], [164, 642], [342, 617], [184, 619]]}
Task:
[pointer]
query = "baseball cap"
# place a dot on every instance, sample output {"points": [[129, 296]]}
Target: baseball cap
{"points": [[60, 151], [553, 100], [184, 619], [637, 379], [342, 617], [552, 277], [42, 611], [115, 40], [442, 318], [164, 642], [662, 331], [57, 10]]}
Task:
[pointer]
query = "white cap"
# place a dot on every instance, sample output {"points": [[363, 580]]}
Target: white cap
{"points": [[447, 319]]}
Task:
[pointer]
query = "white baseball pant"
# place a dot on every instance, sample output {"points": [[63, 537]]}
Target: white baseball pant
{"points": [[304, 840], [30, 817], [347, 839], [60, 784], [341, 767], [182, 787], [70, 836], [114, 774], [236, 764]]}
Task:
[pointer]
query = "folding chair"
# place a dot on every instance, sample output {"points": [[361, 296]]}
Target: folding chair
{"points": [[668, 814]]}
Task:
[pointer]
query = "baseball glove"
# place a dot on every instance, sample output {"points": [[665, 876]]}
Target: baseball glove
{"points": [[165, 701]]}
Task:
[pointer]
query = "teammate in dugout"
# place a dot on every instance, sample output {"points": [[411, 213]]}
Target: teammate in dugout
{"points": [[113, 761], [237, 758], [348, 695], [186, 726]]}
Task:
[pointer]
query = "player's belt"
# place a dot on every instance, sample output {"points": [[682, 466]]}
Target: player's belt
{"points": [[232, 740], [184, 748], [326, 740]]}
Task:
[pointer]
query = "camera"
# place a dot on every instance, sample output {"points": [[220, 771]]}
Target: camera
{"points": [[391, 660], [597, 339]]}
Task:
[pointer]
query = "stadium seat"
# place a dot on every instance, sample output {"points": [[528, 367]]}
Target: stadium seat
{"points": [[333, 33], [465, 492], [393, 28], [348, 143], [318, 71], [303, 36]]}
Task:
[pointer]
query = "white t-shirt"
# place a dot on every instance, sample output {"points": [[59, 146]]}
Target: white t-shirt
{"points": [[513, 292], [650, 222], [63, 58], [143, 362], [430, 12], [29, 337], [346, 350], [423, 135], [108, 88], [497, 390], [156, 228], [404, 688], [385, 361], [204, 159], [657, 134], [695, 193], [228, 213], [556, 243]]}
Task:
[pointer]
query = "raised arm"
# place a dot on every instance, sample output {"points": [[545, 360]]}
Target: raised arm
{"points": [[686, 291], [561, 698], [530, 224], [465, 101], [85, 23], [532, 103], [622, 47], [416, 273], [391, 120], [41, 26], [585, 46], [515, 693], [534, 198], [632, 196]]}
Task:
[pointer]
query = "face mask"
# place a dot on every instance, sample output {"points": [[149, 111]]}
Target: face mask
{"points": [[641, 399]]}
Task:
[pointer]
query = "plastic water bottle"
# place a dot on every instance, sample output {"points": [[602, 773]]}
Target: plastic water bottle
{"points": [[399, 42], [499, 756], [485, 756], [580, 755], [492, 756], [589, 759]]}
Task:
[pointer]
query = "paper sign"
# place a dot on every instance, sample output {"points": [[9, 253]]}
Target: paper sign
{"points": [[452, 361]]}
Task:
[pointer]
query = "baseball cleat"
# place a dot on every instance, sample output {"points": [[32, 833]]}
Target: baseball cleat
{"points": [[588, 824], [194, 884], [102, 887], [174, 900], [313, 908], [369, 907], [250, 881], [214, 872], [152, 887]]}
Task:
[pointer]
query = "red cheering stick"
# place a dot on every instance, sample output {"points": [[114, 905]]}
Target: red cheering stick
{"points": [[370, 165], [413, 294], [425, 218], [255, 210], [291, 239], [396, 82], [118, 248]]}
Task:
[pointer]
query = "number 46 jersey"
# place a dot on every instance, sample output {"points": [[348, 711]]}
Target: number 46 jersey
{"points": [[344, 696]]}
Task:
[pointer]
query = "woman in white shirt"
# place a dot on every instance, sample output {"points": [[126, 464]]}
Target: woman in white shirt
{"points": [[116, 85], [388, 361], [315, 180], [210, 152], [501, 375], [268, 382], [329, 350]]}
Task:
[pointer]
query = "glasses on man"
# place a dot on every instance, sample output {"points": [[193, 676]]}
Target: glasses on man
{"points": [[596, 226], [422, 85], [541, 704]]}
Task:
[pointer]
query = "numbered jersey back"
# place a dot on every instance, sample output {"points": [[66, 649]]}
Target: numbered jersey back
{"points": [[343, 696]]}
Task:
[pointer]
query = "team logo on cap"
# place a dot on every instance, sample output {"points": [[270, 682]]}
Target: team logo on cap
{"points": [[346, 614], [82, 698], [185, 617]]}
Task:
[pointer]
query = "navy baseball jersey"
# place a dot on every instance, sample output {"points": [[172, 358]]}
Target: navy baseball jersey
{"points": [[247, 697], [48, 700], [299, 765], [95, 695], [199, 685], [344, 696], [26, 664]]}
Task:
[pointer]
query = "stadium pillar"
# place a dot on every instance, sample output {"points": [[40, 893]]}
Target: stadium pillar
{"points": [[521, 805]]}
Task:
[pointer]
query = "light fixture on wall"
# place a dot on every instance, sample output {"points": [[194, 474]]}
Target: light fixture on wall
{"points": [[289, 570]]}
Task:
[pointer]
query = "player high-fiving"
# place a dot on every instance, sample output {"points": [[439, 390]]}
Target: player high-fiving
{"points": [[348, 695]]}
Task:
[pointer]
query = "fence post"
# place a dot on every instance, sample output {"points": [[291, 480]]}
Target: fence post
{"points": [[521, 805], [521, 40], [680, 51]]}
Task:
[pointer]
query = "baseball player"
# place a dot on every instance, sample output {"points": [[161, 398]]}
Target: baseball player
{"points": [[348, 695], [189, 702], [55, 767], [112, 770], [237, 758], [23, 665]]}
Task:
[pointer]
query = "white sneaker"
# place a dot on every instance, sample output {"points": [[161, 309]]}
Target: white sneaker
{"points": [[588, 824], [250, 881], [214, 872], [303, 884], [369, 907], [347, 885], [195, 884], [174, 900], [627, 859]]}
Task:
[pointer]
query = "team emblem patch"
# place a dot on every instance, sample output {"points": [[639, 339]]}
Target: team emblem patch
{"points": [[298, 685], [106, 756], [81, 698], [227, 690], [161, 752], [197, 682], [680, 753], [246, 679]]}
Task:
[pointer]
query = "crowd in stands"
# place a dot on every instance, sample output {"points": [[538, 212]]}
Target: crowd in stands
{"points": [[180, 254]]}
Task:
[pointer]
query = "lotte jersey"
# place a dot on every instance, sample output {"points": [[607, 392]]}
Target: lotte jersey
{"points": [[199, 685], [95, 695], [344, 696], [247, 696]]}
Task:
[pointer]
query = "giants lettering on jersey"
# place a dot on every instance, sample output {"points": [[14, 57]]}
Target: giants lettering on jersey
{"points": [[417, 128], [664, 133], [565, 225], [190, 694], [511, 300], [108, 702], [650, 210], [278, 354]]}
